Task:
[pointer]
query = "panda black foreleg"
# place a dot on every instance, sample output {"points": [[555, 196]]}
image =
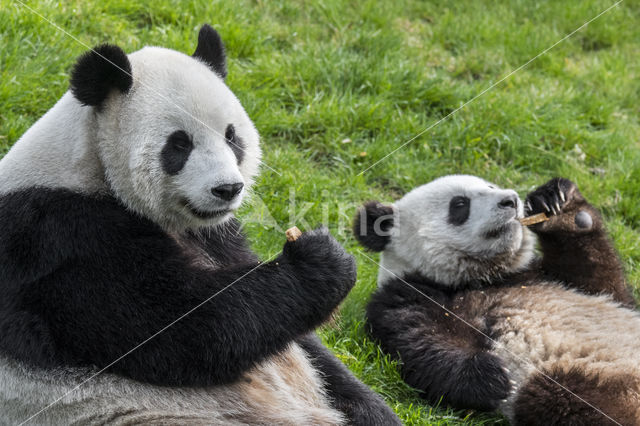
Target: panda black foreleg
{"points": [[91, 283], [187, 328], [441, 356], [575, 245], [360, 405], [463, 377]]}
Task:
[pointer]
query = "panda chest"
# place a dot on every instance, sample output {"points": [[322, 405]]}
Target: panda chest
{"points": [[194, 249]]}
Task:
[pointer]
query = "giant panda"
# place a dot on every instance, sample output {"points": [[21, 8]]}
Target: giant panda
{"points": [[129, 293], [478, 319]]}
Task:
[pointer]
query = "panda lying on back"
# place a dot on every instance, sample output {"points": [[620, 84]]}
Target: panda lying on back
{"points": [[476, 319], [116, 220]]}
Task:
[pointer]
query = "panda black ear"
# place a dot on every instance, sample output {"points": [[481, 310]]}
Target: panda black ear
{"points": [[372, 225], [210, 50], [98, 71]]}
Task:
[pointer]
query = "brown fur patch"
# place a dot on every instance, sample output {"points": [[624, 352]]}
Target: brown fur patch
{"points": [[540, 401], [282, 390], [547, 328]]}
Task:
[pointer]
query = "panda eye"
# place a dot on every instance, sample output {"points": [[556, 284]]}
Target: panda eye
{"points": [[176, 151], [459, 208], [180, 141], [230, 134], [235, 143], [459, 202]]}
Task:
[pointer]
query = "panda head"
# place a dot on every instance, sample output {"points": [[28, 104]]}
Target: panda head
{"points": [[454, 230], [175, 143]]}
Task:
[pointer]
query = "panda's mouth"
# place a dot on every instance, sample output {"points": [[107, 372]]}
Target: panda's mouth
{"points": [[497, 232], [205, 214]]}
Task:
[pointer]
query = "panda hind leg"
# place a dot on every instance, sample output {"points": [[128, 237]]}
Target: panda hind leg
{"points": [[360, 405], [574, 398]]}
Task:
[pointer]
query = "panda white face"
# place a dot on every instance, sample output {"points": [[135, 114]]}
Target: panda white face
{"points": [[456, 229], [464, 213], [157, 129], [177, 147]]}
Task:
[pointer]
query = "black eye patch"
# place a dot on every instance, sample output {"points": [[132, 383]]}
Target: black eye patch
{"points": [[235, 142], [175, 152], [459, 208]]}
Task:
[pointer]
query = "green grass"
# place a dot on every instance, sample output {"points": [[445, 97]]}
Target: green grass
{"points": [[312, 74]]}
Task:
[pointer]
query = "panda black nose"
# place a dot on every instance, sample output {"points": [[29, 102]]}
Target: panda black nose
{"points": [[508, 202], [227, 191]]}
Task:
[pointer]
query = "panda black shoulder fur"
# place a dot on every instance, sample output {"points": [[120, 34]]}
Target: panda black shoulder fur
{"points": [[480, 321], [116, 219]]}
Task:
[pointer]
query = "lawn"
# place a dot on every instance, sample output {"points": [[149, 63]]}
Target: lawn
{"points": [[334, 86]]}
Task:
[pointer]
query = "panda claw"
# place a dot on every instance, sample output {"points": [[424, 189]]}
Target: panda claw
{"points": [[513, 382], [562, 197], [504, 401], [546, 206], [557, 207], [529, 208], [506, 370]]}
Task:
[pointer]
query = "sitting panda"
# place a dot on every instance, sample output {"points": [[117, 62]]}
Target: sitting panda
{"points": [[479, 321], [119, 251]]}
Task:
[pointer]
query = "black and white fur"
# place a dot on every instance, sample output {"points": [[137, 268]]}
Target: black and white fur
{"points": [[116, 219], [481, 322]]}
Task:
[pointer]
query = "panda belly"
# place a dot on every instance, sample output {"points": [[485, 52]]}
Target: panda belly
{"points": [[545, 328], [284, 390]]}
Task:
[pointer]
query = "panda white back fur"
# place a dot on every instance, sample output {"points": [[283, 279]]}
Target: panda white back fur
{"points": [[116, 219], [481, 322]]}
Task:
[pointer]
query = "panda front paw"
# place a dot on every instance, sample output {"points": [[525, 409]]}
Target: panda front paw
{"points": [[565, 206], [552, 197], [318, 258], [483, 383], [373, 411]]}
